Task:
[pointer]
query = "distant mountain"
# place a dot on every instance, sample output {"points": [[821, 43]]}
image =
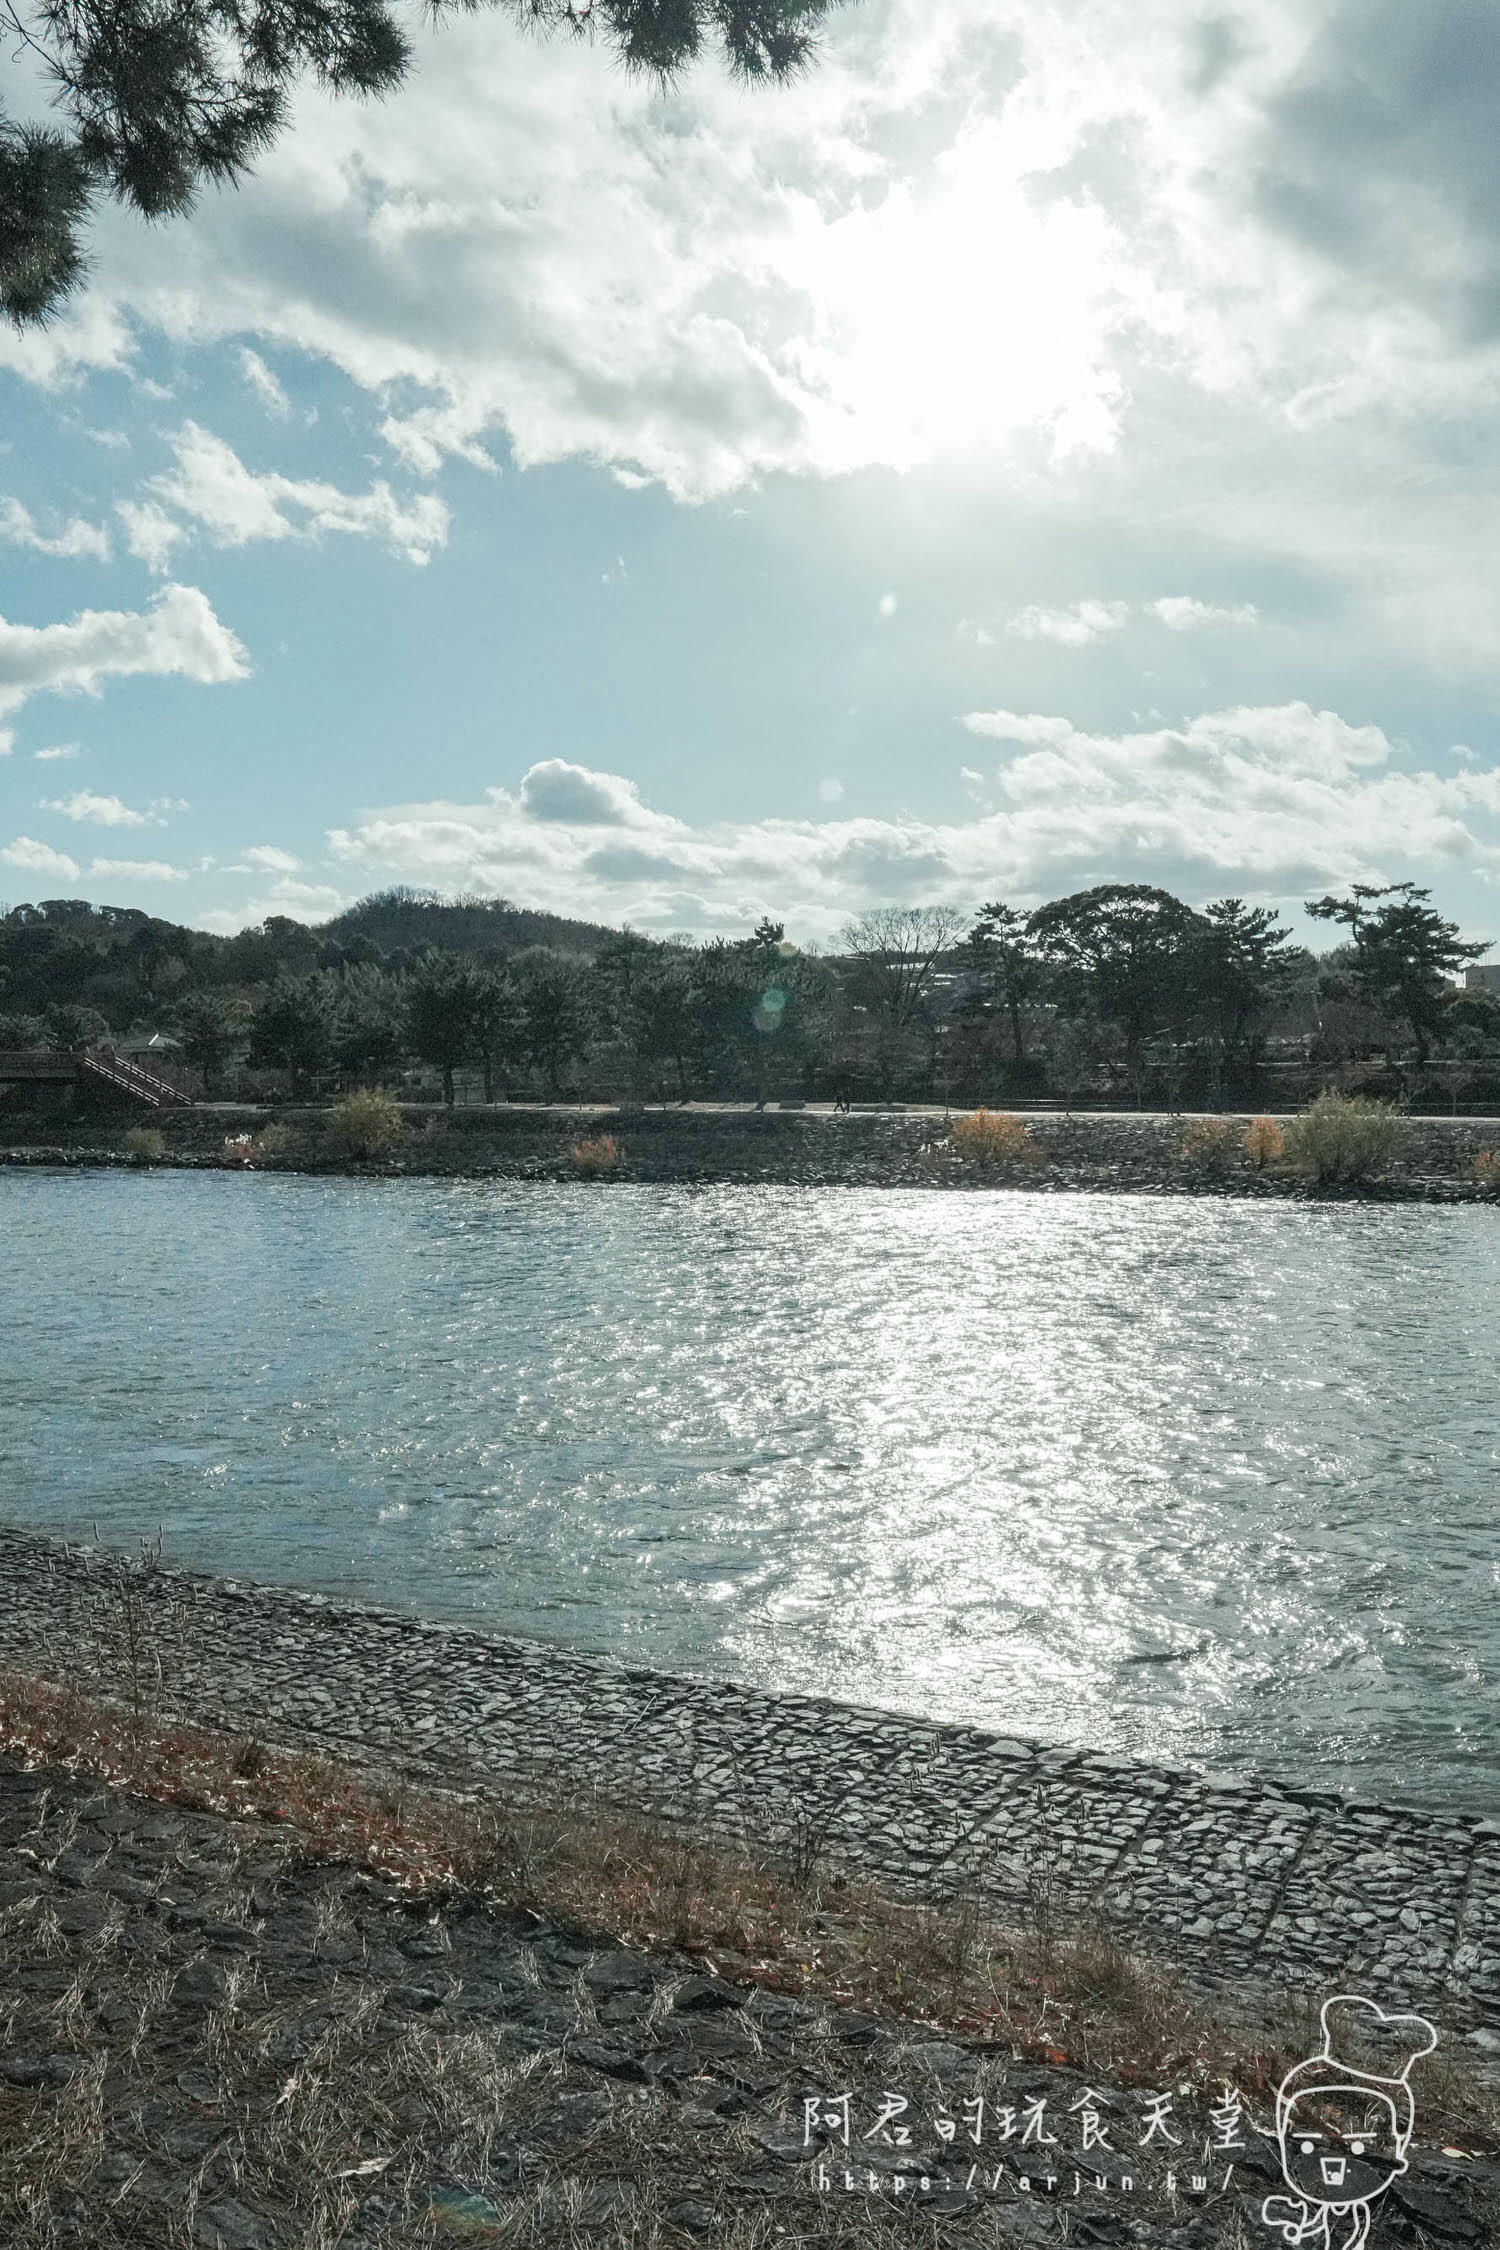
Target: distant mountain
{"points": [[404, 920], [121, 966]]}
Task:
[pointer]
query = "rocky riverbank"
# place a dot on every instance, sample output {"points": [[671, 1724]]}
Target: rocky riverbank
{"points": [[1225, 1877], [1140, 1154]]}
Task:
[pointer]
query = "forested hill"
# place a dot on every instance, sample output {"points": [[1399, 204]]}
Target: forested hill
{"points": [[124, 965], [1120, 991], [404, 920]]}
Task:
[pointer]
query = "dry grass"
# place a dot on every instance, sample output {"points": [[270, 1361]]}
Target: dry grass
{"points": [[1486, 1168], [390, 2134], [320, 2128], [988, 1136], [599, 1158], [772, 1916], [1212, 1144], [1265, 1142]]}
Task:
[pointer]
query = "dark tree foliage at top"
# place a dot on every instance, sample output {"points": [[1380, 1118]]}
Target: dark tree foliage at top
{"points": [[156, 98]]}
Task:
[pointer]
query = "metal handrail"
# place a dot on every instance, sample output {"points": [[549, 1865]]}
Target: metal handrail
{"points": [[160, 1092]]}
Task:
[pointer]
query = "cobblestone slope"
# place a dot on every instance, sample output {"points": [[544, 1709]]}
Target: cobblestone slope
{"points": [[1225, 1879]]}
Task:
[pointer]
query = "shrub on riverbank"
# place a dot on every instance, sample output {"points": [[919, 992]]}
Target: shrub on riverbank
{"points": [[145, 1144], [1212, 1144], [988, 1136], [366, 1123], [1339, 1140], [1486, 1169], [1265, 1142], [599, 1158]]}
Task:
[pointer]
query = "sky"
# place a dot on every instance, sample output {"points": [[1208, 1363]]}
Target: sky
{"points": [[1040, 447]]}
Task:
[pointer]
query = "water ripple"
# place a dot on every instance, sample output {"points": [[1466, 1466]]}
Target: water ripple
{"points": [[1186, 1478]]}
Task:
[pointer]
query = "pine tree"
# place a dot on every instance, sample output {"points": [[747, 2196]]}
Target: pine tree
{"points": [[1403, 954]]}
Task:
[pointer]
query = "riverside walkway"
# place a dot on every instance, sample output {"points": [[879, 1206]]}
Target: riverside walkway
{"points": [[1230, 1879]]}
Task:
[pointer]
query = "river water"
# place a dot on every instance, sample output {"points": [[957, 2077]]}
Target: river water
{"points": [[1212, 1481]]}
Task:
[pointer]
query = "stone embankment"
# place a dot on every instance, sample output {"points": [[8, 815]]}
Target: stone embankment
{"points": [[1227, 1879], [790, 1147], [207, 2043]]}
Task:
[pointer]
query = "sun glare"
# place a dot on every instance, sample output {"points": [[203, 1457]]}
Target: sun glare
{"points": [[955, 316]]}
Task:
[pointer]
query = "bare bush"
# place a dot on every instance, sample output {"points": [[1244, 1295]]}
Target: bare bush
{"points": [[597, 1159], [1265, 1142], [987, 1137], [1212, 1144]]}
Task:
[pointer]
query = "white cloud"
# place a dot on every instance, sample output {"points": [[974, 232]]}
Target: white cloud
{"points": [[179, 633], [887, 605], [554, 790], [92, 335], [137, 871], [1271, 798], [106, 812], [39, 859], [830, 790], [272, 858], [109, 811], [1076, 625], [980, 635], [1070, 251], [57, 751], [264, 384], [299, 902], [1073, 627], [1273, 802], [930, 247], [1185, 614], [977, 228], [1013, 726], [211, 488], [150, 532], [76, 538]]}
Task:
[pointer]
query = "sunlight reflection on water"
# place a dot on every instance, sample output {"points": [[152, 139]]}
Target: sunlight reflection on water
{"points": [[1205, 1480]]}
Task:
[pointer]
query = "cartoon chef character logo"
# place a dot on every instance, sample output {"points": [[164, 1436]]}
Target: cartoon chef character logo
{"points": [[1344, 2128]]}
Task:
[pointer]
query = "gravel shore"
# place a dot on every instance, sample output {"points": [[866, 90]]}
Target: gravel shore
{"points": [[1140, 1154]]}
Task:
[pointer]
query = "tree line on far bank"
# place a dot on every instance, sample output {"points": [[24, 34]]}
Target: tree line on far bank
{"points": [[1119, 991]]}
